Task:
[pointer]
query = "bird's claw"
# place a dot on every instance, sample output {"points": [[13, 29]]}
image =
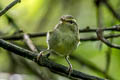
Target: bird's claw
{"points": [[43, 53], [70, 66], [69, 71], [39, 55]]}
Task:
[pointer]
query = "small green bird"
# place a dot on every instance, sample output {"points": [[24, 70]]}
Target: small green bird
{"points": [[64, 39]]}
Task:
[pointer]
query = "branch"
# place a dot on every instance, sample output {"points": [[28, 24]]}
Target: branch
{"points": [[100, 32], [32, 47], [35, 35], [88, 29], [8, 7], [29, 43], [100, 36], [96, 39], [115, 14], [20, 36], [43, 61]]}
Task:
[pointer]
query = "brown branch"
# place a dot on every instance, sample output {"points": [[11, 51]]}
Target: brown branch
{"points": [[100, 32], [88, 29], [32, 47], [100, 36], [43, 61], [96, 38], [35, 35], [20, 36], [34, 69]]}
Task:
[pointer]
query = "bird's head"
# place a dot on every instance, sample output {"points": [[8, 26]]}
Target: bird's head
{"points": [[68, 19]]}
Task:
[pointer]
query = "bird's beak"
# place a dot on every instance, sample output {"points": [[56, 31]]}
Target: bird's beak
{"points": [[62, 19]]}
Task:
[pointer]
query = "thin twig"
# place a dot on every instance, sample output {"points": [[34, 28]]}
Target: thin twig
{"points": [[100, 36], [100, 19], [43, 61], [96, 39], [115, 14], [29, 42], [11, 21], [100, 33], [88, 29], [99, 22], [34, 35], [109, 51], [8, 7]]}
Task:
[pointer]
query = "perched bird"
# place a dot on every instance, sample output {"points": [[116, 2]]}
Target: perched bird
{"points": [[64, 39]]}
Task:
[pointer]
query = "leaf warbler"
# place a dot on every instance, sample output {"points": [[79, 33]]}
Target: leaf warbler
{"points": [[64, 39]]}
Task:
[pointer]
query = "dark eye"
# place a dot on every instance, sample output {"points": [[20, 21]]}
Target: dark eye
{"points": [[71, 22]]}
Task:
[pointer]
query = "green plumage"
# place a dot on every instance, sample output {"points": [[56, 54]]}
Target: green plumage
{"points": [[64, 39]]}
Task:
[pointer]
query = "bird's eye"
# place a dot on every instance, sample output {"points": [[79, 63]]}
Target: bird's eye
{"points": [[71, 22]]}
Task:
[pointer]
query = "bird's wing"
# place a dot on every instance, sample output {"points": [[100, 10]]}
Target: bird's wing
{"points": [[48, 36], [78, 39], [78, 43], [47, 40], [53, 32], [52, 39]]}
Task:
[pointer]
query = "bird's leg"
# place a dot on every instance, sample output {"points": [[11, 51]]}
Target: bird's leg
{"points": [[70, 66], [45, 52]]}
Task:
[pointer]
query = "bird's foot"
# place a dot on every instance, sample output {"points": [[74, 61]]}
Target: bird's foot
{"points": [[69, 71], [70, 66], [39, 55], [43, 53]]}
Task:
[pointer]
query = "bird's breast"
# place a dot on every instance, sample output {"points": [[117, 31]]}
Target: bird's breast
{"points": [[63, 42]]}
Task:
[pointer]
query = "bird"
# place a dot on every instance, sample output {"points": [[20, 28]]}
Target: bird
{"points": [[64, 38]]}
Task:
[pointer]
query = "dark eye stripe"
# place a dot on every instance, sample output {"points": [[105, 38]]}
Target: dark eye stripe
{"points": [[70, 21]]}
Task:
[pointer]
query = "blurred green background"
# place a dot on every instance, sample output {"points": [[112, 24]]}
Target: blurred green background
{"points": [[41, 16]]}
